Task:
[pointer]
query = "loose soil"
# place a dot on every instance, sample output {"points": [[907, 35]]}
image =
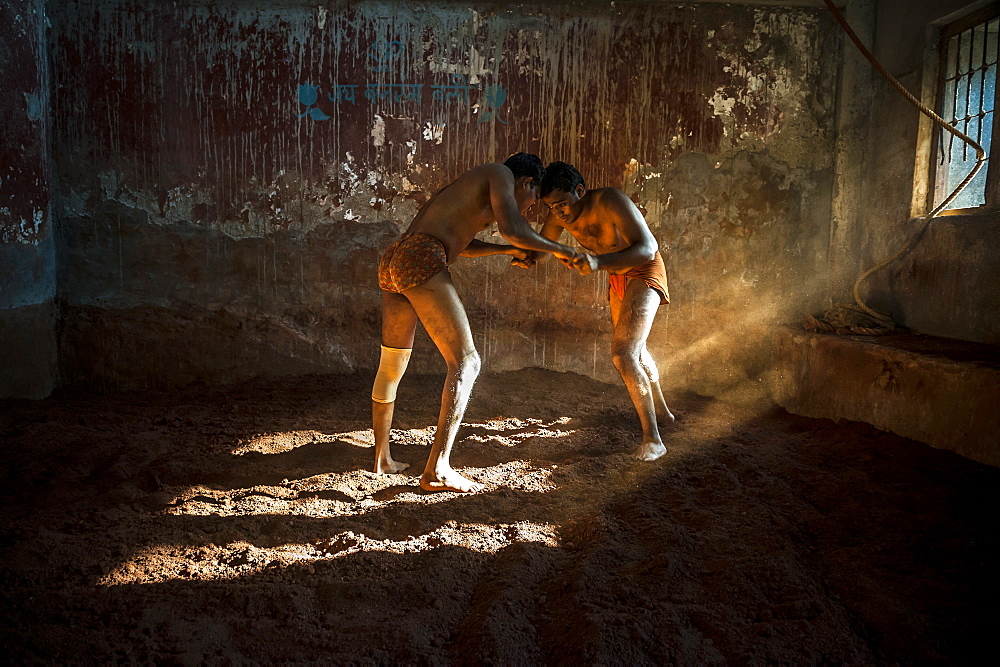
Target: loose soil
{"points": [[242, 524]]}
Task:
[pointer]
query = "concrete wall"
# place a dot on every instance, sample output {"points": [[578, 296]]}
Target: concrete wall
{"points": [[228, 173], [27, 255], [949, 285]]}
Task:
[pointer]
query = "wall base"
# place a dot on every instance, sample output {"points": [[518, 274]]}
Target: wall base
{"points": [[28, 360]]}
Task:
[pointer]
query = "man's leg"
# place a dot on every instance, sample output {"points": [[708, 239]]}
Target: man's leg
{"points": [[441, 312], [663, 413], [399, 323], [632, 317]]}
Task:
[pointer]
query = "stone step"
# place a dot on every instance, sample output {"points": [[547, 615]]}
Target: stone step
{"points": [[940, 391]]}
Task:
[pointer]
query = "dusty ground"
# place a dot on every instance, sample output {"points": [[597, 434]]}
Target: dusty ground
{"points": [[240, 524]]}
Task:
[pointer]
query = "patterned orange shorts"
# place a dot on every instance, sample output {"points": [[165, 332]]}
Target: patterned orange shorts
{"points": [[412, 260]]}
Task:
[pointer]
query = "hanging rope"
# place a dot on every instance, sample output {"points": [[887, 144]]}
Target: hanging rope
{"points": [[858, 318]]}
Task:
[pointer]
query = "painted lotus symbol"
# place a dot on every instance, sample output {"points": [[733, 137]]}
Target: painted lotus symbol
{"points": [[308, 94], [493, 98]]}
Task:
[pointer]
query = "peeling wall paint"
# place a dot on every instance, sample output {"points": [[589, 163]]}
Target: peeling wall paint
{"points": [[249, 161]]}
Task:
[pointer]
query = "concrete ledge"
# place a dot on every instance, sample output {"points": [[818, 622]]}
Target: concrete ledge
{"points": [[940, 391]]}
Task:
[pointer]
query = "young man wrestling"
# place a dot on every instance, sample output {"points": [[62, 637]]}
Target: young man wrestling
{"points": [[416, 285], [607, 223]]}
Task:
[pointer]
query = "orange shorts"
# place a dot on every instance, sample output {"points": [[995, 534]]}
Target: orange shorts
{"points": [[412, 260], [653, 272]]}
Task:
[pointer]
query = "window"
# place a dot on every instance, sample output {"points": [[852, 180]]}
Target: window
{"points": [[968, 95]]}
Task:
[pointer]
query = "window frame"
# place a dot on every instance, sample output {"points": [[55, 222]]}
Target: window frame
{"points": [[935, 68]]}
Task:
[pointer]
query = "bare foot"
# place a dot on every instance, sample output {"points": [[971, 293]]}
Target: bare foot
{"points": [[650, 451], [449, 480], [389, 466]]}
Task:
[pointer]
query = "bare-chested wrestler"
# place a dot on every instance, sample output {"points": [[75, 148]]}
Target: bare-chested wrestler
{"points": [[606, 222], [416, 285]]}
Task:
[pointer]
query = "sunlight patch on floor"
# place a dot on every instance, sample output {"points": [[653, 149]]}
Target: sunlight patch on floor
{"points": [[240, 558], [281, 442], [481, 537], [497, 431], [342, 494], [286, 441], [247, 526]]}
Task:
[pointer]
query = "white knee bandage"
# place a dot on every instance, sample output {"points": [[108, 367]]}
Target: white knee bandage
{"points": [[391, 366]]}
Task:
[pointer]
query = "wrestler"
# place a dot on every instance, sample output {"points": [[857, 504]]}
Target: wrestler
{"points": [[416, 285], [606, 222]]}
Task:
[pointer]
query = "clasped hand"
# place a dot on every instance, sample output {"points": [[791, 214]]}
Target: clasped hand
{"points": [[584, 263], [523, 258]]}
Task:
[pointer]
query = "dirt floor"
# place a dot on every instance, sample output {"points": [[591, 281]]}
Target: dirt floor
{"points": [[241, 524]]}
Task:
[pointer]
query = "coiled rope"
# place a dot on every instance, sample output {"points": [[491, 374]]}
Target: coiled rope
{"points": [[858, 318]]}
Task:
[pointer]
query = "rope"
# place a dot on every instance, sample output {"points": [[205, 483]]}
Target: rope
{"points": [[858, 318]]}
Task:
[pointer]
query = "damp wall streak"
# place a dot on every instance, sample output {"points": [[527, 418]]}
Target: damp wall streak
{"points": [[27, 252], [233, 171], [24, 183]]}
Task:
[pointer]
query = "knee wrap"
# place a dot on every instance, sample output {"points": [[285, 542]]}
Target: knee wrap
{"points": [[391, 366]]}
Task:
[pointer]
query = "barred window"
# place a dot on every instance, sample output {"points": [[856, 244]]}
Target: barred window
{"points": [[968, 95]]}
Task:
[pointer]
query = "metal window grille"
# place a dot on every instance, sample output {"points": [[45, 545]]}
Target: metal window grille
{"points": [[969, 64]]}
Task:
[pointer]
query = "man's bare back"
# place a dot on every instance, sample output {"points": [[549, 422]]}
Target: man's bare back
{"points": [[470, 204]]}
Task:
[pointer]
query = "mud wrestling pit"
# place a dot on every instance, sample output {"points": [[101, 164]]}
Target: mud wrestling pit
{"points": [[241, 524]]}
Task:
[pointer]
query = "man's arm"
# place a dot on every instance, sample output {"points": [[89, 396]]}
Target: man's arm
{"points": [[512, 224], [477, 248], [619, 210], [551, 230]]}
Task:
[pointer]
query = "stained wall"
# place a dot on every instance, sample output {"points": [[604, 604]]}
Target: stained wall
{"points": [[27, 252], [226, 175]]}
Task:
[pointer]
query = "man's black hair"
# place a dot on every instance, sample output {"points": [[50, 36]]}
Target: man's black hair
{"points": [[526, 164], [560, 176]]}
